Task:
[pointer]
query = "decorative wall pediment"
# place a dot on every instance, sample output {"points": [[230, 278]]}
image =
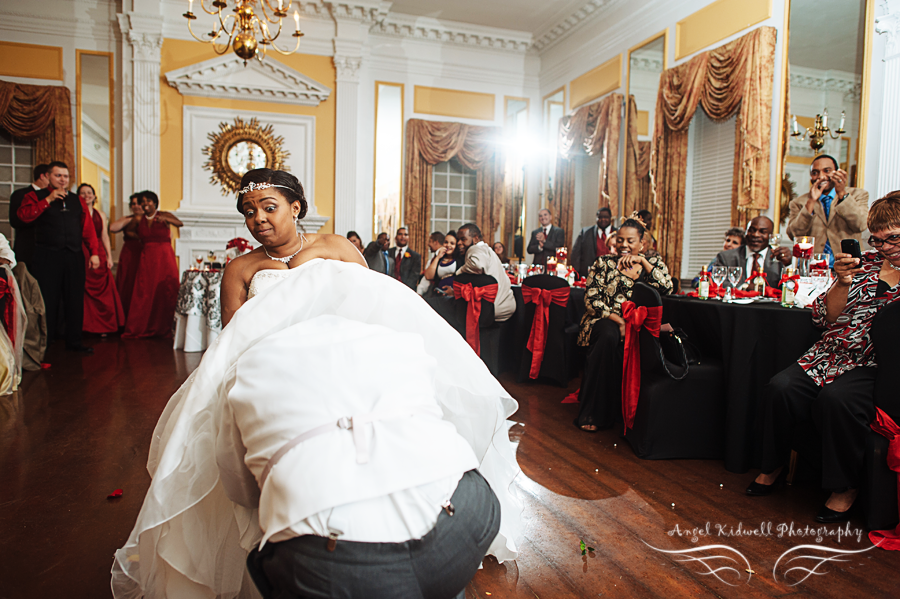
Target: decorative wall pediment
{"points": [[268, 81]]}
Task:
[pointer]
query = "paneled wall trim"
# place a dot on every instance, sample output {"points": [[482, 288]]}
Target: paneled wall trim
{"points": [[454, 103], [716, 22], [30, 60], [596, 82]]}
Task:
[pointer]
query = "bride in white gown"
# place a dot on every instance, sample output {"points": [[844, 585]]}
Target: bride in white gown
{"points": [[313, 336]]}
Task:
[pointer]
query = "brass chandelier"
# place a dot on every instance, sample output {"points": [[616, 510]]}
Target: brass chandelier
{"points": [[248, 28], [820, 131]]}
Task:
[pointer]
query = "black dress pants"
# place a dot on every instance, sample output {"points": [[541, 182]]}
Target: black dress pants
{"points": [[437, 566], [841, 412], [601, 386], [60, 275]]}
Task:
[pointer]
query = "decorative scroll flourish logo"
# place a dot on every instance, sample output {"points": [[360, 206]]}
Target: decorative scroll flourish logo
{"points": [[714, 555], [838, 555]]}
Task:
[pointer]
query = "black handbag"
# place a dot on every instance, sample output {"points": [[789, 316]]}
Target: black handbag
{"points": [[674, 347]]}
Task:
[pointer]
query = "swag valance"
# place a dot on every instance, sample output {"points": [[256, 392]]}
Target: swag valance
{"points": [[476, 148], [736, 77], [42, 113], [591, 130]]}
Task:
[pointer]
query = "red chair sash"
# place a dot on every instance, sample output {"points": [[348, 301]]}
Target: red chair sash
{"points": [[635, 318], [9, 313], [473, 296], [885, 426], [537, 340]]}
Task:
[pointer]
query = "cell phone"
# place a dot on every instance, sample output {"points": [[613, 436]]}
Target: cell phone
{"points": [[851, 246]]}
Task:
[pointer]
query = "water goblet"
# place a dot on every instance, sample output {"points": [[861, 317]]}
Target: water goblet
{"points": [[735, 274], [718, 276]]}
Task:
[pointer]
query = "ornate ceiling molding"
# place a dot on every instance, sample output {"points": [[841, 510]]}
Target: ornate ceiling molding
{"points": [[268, 81], [653, 65], [555, 33], [435, 30], [889, 23], [848, 84]]}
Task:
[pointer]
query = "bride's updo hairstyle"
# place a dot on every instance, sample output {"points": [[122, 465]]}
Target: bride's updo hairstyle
{"points": [[290, 187]]}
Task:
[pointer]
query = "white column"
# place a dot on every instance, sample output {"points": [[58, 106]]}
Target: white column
{"points": [[143, 32], [345, 172], [889, 153]]}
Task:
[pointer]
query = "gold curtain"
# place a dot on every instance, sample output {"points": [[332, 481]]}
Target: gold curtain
{"points": [[738, 77], [42, 113], [592, 130], [638, 188], [476, 148]]}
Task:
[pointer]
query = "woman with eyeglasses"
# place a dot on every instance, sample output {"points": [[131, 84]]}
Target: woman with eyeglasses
{"points": [[832, 385]]}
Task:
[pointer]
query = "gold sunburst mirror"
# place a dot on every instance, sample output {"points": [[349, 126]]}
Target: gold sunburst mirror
{"points": [[239, 147]]}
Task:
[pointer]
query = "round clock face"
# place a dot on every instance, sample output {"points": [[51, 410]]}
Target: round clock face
{"points": [[245, 156]]}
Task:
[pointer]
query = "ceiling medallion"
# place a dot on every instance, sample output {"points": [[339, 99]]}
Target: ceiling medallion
{"points": [[239, 147]]}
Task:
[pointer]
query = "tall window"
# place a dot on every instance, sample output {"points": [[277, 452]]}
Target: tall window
{"points": [[452, 197], [708, 190], [16, 164]]}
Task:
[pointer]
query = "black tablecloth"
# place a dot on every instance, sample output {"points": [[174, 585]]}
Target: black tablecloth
{"points": [[754, 342]]}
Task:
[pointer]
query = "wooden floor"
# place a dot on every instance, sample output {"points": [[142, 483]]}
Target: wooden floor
{"points": [[80, 430]]}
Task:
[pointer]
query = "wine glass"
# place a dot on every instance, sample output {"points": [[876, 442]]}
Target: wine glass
{"points": [[735, 274], [718, 276], [774, 241], [199, 259]]}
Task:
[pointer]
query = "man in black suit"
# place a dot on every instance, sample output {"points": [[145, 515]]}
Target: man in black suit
{"points": [[406, 264], [376, 254], [593, 242], [755, 254], [24, 242], [546, 239], [61, 224]]}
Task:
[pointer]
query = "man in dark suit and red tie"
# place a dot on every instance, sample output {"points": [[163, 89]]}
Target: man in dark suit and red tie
{"points": [[593, 242], [406, 264], [545, 239]]}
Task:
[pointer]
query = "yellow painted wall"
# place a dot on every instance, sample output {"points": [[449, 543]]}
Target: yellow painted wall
{"points": [[717, 21], [596, 82], [177, 54], [90, 173], [453, 103], [29, 60]]}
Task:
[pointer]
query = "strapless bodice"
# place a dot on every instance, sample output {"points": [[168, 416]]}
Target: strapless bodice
{"points": [[266, 278]]}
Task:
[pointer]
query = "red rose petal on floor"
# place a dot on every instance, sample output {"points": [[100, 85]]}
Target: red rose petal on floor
{"points": [[45, 366], [116, 493]]}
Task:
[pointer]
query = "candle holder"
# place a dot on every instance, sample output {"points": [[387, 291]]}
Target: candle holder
{"points": [[562, 256], [802, 254]]}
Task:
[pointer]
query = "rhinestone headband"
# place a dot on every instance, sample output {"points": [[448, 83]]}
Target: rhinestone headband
{"points": [[254, 186]]}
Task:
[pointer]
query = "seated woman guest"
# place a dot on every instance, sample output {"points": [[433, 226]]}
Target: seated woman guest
{"points": [[441, 268], [734, 238], [609, 284], [500, 250], [130, 256], [152, 309], [103, 312], [832, 385]]}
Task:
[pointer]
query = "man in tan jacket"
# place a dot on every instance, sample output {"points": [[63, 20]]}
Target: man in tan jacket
{"points": [[831, 211]]}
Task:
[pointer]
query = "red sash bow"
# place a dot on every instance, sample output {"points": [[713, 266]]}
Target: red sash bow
{"points": [[885, 426], [635, 318], [9, 313], [473, 296], [537, 340]]}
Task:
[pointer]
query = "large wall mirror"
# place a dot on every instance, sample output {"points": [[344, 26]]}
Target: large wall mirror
{"points": [[96, 134], [826, 62], [516, 129], [646, 62], [554, 109]]}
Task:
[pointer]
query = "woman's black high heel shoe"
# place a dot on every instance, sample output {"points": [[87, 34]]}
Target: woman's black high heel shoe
{"points": [[756, 489]]}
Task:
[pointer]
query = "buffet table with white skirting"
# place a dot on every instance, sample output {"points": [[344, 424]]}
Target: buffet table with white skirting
{"points": [[198, 313]]}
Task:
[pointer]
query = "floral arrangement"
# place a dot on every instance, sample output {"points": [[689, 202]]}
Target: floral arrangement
{"points": [[237, 247]]}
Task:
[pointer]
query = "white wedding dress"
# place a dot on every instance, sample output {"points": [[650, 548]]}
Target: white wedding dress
{"points": [[190, 540]]}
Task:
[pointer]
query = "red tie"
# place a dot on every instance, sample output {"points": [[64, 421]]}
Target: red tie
{"points": [[756, 266], [397, 258], [601, 244]]}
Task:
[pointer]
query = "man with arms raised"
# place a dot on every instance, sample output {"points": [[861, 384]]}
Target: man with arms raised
{"points": [[482, 260], [831, 211], [754, 255]]}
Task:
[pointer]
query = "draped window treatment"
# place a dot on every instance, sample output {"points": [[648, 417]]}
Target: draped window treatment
{"points": [[42, 113], [737, 76], [476, 148], [638, 186], [591, 130]]}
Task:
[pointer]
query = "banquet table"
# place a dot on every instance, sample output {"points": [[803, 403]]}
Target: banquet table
{"points": [[198, 313], [754, 342]]}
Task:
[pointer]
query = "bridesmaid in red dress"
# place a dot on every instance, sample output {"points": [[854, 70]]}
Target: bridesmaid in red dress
{"points": [[103, 312], [130, 256], [152, 309]]}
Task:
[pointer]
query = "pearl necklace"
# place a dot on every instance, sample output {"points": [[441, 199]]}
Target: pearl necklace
{"points": [[286, 260], [889, 263]]}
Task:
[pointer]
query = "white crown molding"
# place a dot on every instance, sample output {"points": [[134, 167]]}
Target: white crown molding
{"points": [[435, 30], [51, 23], [849, 84], [549, 36], [464, 73], [889, 23], [652, 65], [226, 77]]}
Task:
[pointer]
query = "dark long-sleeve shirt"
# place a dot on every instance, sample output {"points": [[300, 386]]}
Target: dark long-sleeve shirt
{"points": [[33, 207]]}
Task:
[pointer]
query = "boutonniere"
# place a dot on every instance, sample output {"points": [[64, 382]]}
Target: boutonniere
{"points": [[407, 255]]}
